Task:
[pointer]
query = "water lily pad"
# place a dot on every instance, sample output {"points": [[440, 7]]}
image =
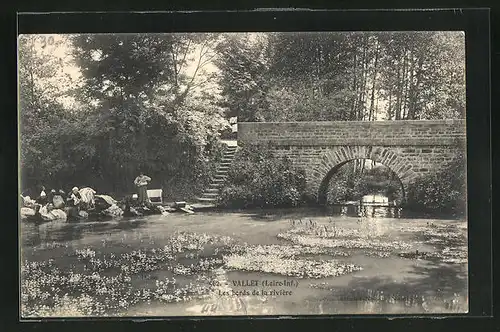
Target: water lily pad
{"points": [[291, 267]]}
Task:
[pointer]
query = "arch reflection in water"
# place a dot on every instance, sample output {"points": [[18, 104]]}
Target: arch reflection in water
{"points": [[375, 200]]}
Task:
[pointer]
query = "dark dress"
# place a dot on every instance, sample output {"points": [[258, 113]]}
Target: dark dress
{"points": [[50, 197], [42, 200], [72, 208], [142, 193]]}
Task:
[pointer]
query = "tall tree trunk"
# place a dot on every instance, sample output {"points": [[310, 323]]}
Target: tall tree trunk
{"points": [[354, 87], [374, 79], [175, 73], [404, 84], [35, 102], [362, 96], [320, 64], [389, 107], [397, 109], [401, 83], [408, 83], [415, 92]]}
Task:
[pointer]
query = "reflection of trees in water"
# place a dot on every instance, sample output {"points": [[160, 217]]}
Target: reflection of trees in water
{"points": [[34, 235], [59, 232], [30, 235], [367, 211], [379, 211], [363, 177]]}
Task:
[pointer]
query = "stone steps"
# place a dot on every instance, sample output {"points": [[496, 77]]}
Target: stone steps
{"points": [[211, 193]]}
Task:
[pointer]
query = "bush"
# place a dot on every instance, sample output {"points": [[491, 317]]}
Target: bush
{"points": [[105, 147], [203, 168], [260, 179], [444, 192]]}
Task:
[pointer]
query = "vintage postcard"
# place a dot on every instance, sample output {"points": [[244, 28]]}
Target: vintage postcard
{"points": [[270, 173]]}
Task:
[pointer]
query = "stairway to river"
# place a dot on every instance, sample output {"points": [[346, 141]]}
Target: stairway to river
{"points": [[211, 193]]}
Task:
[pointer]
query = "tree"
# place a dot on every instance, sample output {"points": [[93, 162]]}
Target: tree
{"points": [[423, 75], [141, 104], [345, 76], [243, 78], [313, 68], [44, 87], [145, 88]]}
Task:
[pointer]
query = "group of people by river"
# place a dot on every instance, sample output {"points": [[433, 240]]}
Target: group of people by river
{"points": [[85, 203]]}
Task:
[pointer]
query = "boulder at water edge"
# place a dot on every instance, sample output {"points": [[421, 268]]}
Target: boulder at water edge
{"points": [[163, 210], [53, 215], [59, 215], [113, 211], [106, 198], [83, 214], [27, 212]]}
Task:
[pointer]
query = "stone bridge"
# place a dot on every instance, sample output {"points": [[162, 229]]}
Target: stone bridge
{"points": [[410, 148]]}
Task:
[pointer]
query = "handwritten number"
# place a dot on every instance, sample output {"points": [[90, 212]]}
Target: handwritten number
{"points": [[43, 41], [46, 41], [242, 305], [209, 307], [235, 305]]}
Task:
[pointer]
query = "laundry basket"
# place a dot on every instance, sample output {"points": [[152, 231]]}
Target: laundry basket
{"points": [[155, 196]]}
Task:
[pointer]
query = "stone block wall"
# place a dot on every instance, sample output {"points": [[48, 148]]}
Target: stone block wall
{"points": [[328, 133]]}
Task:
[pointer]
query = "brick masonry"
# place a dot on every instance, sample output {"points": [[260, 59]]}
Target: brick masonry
{"points": [[409, 148]]}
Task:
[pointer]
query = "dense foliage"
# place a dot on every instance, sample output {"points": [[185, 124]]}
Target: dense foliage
{"points": [[353, 181], [345, 76], [260, 179], [444, 192], [136, 109], [243, 79]]}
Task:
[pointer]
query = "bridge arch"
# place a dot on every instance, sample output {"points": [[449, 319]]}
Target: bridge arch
{"points": [[330, 162]]}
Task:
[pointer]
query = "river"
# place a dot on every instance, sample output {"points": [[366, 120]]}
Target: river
{"points": [[306, 261]]}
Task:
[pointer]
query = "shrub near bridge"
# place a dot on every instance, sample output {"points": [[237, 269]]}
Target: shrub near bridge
{"points": [[444, 192], [260, 179]]}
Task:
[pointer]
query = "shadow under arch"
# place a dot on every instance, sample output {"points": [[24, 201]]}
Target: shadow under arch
{"points": [[323, 187]]}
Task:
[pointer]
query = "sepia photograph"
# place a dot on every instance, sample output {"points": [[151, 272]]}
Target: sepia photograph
{"points": [[242, 174]]}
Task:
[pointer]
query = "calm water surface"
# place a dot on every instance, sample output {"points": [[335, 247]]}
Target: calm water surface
{"points": [[384, 285]]}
